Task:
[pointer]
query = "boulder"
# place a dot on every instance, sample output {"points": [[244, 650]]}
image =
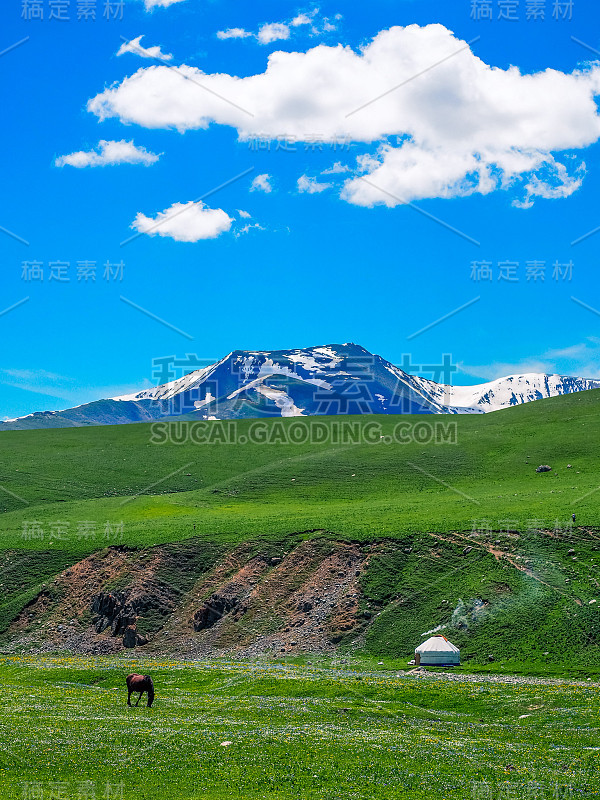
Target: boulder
{"points": [[131, 638], [543, 468]]}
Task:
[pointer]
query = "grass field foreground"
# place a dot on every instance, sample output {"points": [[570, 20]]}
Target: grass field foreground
{"points": [[261, 730]]}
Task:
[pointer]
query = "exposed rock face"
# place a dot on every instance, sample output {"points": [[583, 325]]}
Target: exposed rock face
{"points": [[304, 597], [300, 594], [102, 619], [112, 610], [306, 600], [213, 610]]}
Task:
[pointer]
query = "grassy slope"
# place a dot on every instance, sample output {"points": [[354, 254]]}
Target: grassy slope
{"points": [[365, 492], [240, 490], [490, 608]]}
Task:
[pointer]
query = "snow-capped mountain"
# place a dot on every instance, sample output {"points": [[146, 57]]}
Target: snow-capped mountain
{"points": [[325, 380], [511, 391], [333, 379]]}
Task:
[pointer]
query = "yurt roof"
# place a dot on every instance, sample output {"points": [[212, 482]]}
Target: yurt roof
{"points": [[437, 644]]}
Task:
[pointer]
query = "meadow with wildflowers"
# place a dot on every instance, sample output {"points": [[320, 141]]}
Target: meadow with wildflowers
{"points": [[283, 730]]}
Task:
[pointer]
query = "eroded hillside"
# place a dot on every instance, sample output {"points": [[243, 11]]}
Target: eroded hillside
{"points": [[497, 594]]}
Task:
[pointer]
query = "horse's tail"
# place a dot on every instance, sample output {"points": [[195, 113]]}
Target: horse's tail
{"points": [[150, 690]]}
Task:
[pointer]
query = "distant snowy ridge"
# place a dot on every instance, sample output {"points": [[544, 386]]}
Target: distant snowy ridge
{"points": [[336, 379], [510, 391]]}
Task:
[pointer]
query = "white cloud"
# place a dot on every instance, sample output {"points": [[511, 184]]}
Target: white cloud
{"points": [[109, 153], [70, 390], [273, 32], [460, 128], [185, 222], [29, 375], [336, 169], [234, 33], [578, 360], [555, 184], [152, 4], [304, 19], [247, 228], [327, 26], [277, 31], [311, 185], [135, 47], [262, 183]]}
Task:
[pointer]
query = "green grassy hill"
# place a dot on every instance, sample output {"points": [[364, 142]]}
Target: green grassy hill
{"points": [[68, 493]]}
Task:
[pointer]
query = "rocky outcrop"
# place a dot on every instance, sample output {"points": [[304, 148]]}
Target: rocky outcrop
{"points": [[304, 601], [114, 611], [213, 609], [294, 597], [304, 594]]}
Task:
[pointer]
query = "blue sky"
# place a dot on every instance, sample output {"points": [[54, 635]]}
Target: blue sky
{"points": [[333, 258]]}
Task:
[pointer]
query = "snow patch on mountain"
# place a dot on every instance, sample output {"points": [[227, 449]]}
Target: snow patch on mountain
{"points": [[325, 367], [310, 363], [208, 399], [269, 367], [282, 400]]}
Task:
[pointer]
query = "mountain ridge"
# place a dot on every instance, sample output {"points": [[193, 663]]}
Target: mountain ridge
{"points": [[333, 379]]}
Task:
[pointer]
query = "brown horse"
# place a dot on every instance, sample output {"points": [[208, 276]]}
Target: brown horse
{"points": [[141, 684]]}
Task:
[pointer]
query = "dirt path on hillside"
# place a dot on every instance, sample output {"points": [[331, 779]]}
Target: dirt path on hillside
{"points": [[464, 539]]}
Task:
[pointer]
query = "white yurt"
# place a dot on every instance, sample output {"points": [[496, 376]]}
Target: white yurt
{"points": [[437, 651]]}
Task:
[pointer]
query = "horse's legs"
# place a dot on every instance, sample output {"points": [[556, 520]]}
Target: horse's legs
{"points": [[129, 697], [139, 698]]}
